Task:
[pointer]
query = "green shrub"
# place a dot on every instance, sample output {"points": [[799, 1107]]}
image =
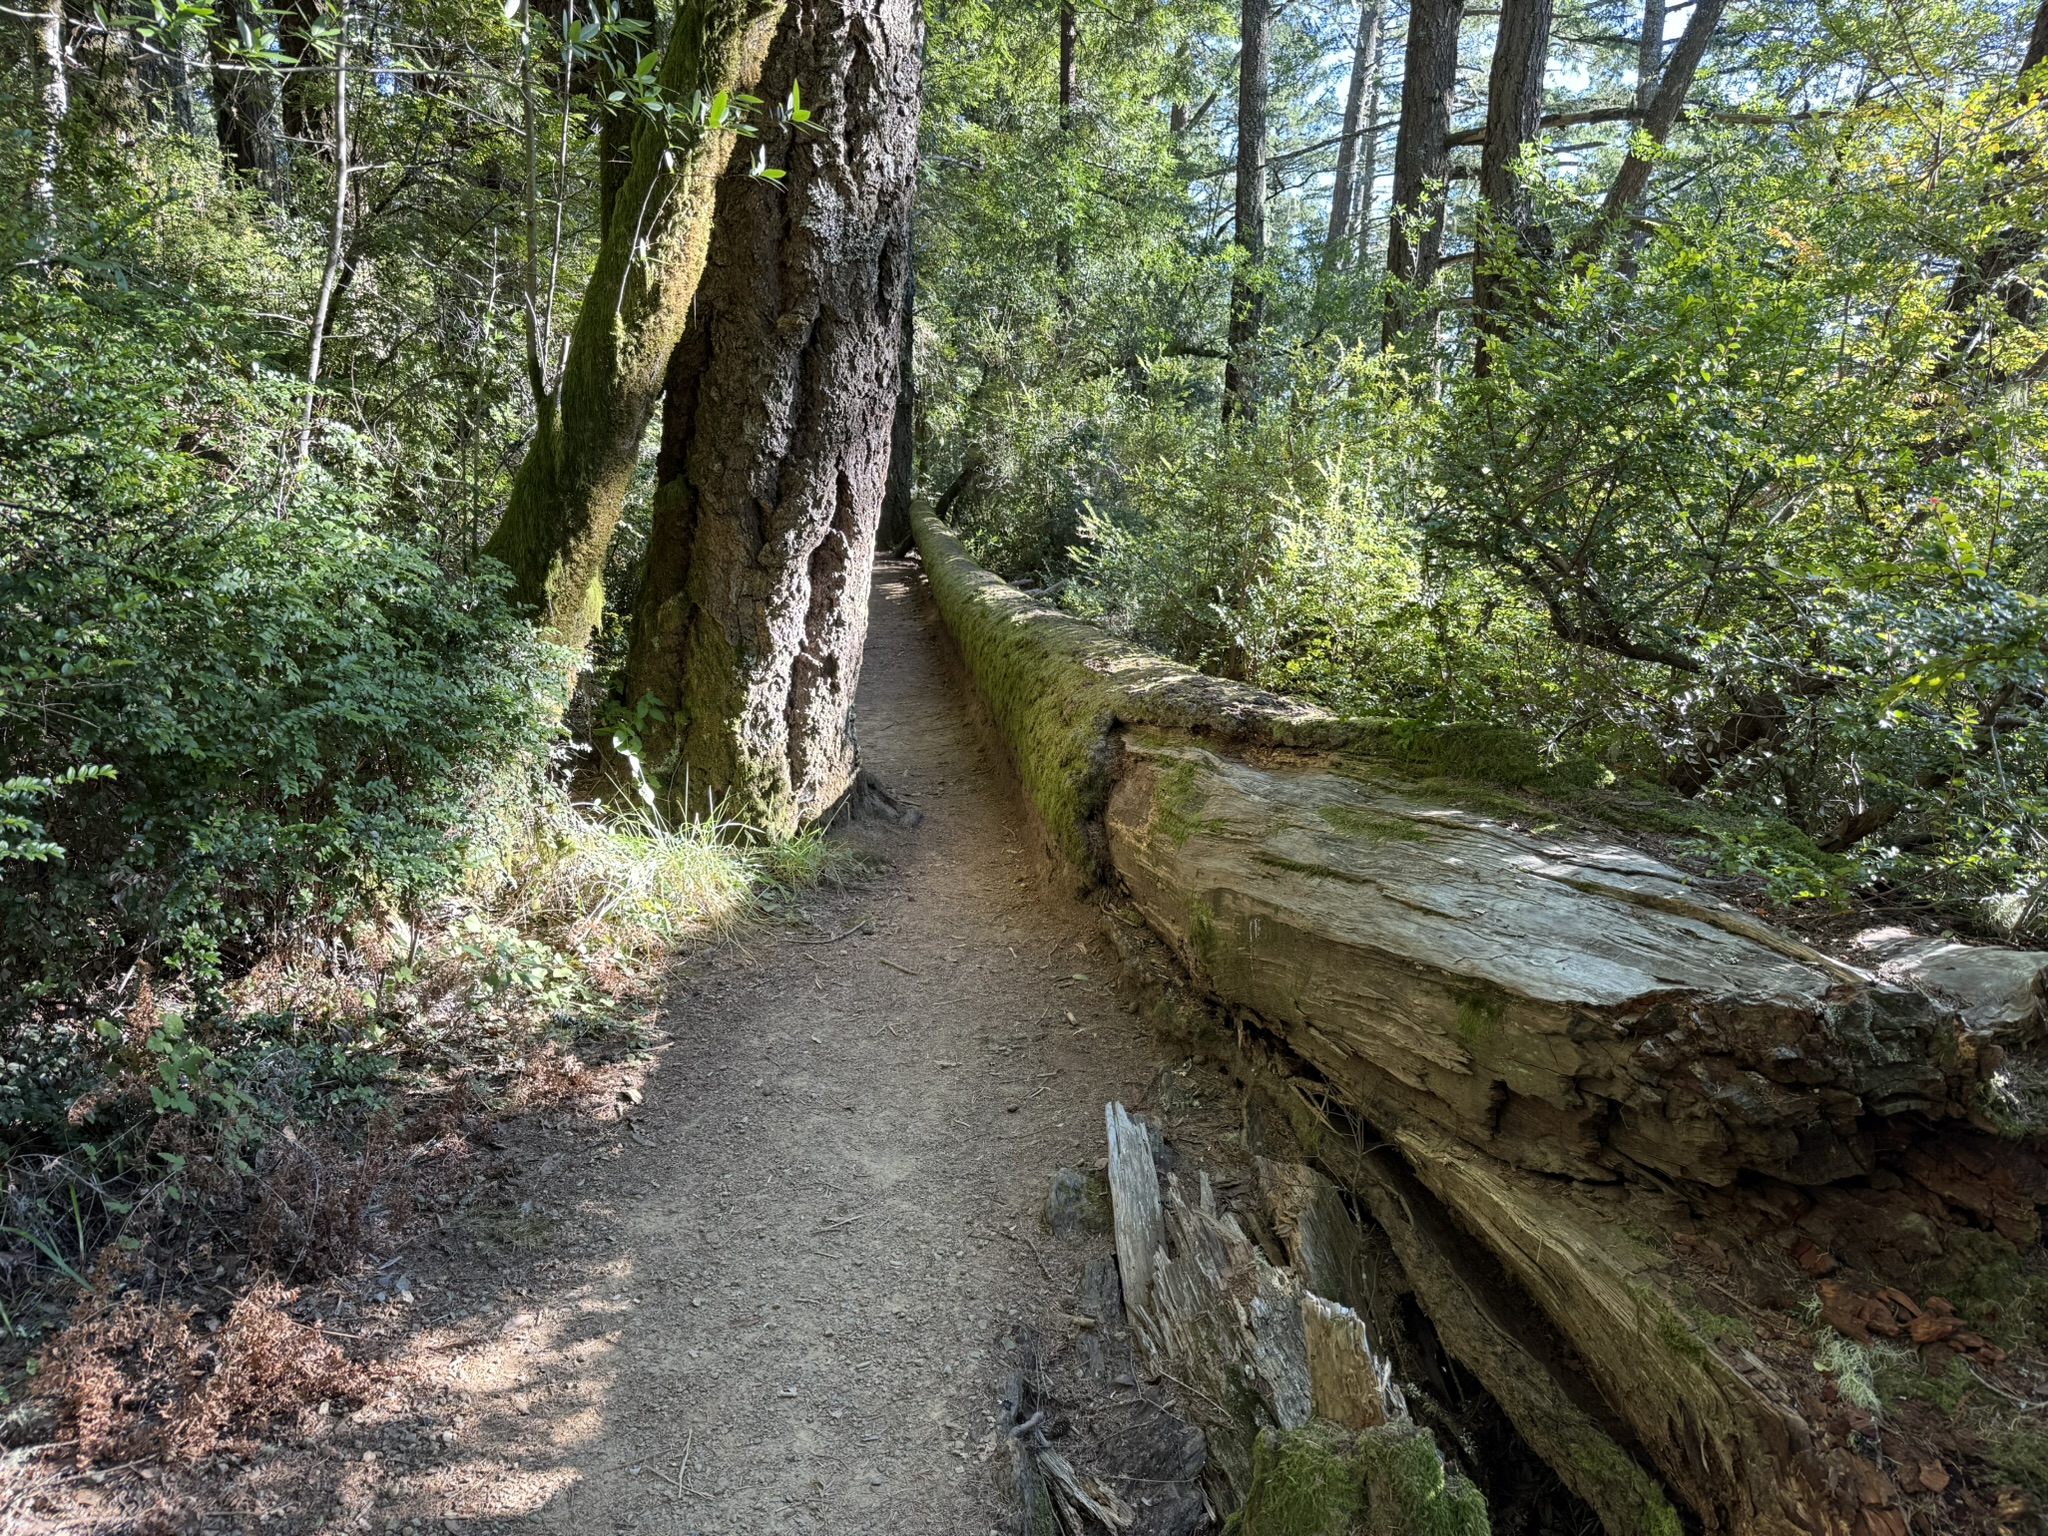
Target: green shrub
{"points": [[222, 720]]}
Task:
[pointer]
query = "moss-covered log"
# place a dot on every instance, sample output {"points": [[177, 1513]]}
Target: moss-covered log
{"points": [[1650, 1121]]}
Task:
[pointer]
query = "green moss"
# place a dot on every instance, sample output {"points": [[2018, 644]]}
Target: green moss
{"points": [[1304, 1483], [1320, 1480], [1898, 1375], [1175, 800], [1714, 1326], [1673, 1334], [1479, 1019], [1375, 826], [1407, 1492], [2021, 1454], [1487, 754], [1984, 1277], [1315, 871], [1597, 1462]]}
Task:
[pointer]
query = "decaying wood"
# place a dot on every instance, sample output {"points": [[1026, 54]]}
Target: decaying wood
{"points": [[1571, 1007], [1252, 1346], [1346, 1385], [1323, 1242], [1134, 1200], [1084, 1495], [1615, 1128], [1512, 1347], [1554, 1034]]}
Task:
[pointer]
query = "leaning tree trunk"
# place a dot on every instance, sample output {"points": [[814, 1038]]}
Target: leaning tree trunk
{"points": [[1247, 293], [1633, 179], [776, 441], [569, 489], [1365, 84], [1422, 158]]}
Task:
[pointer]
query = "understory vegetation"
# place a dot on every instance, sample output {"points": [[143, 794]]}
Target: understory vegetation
{"points": [[1742, 506], [298, 877]]}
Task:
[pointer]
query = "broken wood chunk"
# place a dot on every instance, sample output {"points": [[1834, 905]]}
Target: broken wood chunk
{"points": [[1346, 1385], [1134, 1205]]}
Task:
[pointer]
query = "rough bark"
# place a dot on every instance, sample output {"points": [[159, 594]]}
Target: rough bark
{"points": [[1514, 115], [776, 439], [305, 103], [53, 105], [567, 493], [1247, 293], [1365, 60], [1650, 53], [1661, 116], [1369, 152], [1422, 161]]}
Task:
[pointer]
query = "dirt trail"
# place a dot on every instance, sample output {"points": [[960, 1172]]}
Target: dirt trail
{"points": [[782, 1295]]}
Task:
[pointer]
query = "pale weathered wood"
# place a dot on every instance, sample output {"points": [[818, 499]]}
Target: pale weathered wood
{"points": [[1346, 1384], [1570, 1006], [1134, 1205], [1084, 1495], [1324, 1244]]}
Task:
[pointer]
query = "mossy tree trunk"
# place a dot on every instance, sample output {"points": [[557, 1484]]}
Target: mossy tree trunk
{"points": [[568, 491], [776, 437]]}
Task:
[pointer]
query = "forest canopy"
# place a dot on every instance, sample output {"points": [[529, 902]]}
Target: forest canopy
{"points": [[1671, 398]]}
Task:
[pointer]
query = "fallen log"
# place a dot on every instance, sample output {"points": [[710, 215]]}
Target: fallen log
{"points": [[1627, 1127]]}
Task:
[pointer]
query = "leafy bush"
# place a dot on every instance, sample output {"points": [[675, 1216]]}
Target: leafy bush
{"points": [[222, 719]]}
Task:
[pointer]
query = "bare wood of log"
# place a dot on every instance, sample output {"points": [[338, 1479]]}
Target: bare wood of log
{"points": [[1084, 1494], [1134, 1205]]}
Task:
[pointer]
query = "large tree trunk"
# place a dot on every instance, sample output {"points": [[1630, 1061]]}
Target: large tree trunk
{"points": [[1365, 71], [1247, 293], [1633, 179], [776, 441], [568, 491], [895, 534], [1514, 114], [1422, 160]]}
